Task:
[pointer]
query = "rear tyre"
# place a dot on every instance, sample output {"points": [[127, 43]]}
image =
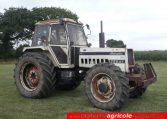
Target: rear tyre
{"points": [[106, 86], [33, 75]]}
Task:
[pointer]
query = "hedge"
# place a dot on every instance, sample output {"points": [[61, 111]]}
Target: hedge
{"points": [[139, 55], [155, 55]]}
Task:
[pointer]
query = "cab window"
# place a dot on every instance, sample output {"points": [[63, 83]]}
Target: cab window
{"points": [[58, 35], [41, 34], [76, 35]]}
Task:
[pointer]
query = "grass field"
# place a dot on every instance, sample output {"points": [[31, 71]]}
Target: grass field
{"points": [[14, 106]]}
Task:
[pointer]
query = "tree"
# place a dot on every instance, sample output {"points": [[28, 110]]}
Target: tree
{"points": [[115, 44], [52, 13], [17, 24]]}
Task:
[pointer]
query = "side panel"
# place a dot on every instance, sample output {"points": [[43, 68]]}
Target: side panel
{"points": [[60, 54], [91, 56]]}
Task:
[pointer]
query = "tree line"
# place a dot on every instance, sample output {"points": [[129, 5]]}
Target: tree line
{"points": [[17, 25]]}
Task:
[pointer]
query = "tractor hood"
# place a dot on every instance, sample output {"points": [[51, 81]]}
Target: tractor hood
{"points": [[91, 56]]}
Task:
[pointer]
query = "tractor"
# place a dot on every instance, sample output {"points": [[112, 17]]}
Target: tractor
{"points": [[60, 57]]}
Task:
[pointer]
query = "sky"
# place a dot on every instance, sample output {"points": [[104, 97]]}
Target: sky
{"points": [[141, 24]]}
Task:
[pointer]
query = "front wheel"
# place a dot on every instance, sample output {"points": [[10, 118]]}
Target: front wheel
{"points": [[106, 86]]}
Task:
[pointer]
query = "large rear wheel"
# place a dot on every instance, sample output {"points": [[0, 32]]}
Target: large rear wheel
{"points": [[33, 75], [106, 86]]}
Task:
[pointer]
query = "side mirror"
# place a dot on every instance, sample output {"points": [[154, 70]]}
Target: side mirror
{"points": [[87, 26], [89, 44]]}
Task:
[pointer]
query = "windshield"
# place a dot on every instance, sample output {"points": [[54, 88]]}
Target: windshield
{"points": [[76, 35]]}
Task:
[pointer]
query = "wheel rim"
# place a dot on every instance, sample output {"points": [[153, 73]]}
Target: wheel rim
{"points": [[29, 76], [103, 87]]}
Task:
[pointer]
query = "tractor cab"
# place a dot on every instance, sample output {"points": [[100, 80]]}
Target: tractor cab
{"points": [[59, 32], [63, 38]]}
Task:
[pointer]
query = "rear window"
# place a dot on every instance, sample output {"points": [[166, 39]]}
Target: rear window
{"points": [[41, 34]]}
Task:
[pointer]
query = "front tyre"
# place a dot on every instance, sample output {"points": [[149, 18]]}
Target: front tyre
{"points": [[106, 86], [33, 75]]}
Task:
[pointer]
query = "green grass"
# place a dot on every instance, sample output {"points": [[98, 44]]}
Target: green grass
{"points": [[14, 106]]}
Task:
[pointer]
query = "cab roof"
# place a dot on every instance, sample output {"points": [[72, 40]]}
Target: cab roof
{"points": [[58, 21]]}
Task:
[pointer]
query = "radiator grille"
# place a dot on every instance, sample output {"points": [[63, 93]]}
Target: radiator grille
{"points": [[97, 61]]}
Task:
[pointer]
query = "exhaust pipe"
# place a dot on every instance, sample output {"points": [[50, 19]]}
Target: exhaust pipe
{"points": [[101, 36]]}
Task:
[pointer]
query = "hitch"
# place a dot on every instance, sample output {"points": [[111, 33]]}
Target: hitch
{"points": [[150, 74], [144, 78]]}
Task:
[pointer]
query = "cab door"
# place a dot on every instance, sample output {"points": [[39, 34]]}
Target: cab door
{"points": [[59, 44]]}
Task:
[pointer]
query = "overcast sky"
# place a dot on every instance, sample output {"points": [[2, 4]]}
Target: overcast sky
{"points": [[141, 24]]}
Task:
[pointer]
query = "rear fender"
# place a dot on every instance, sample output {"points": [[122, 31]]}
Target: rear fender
{"points": [[41, 49], [38, 48]]}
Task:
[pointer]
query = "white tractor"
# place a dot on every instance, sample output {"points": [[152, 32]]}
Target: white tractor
{"points": [[60, 57]]}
